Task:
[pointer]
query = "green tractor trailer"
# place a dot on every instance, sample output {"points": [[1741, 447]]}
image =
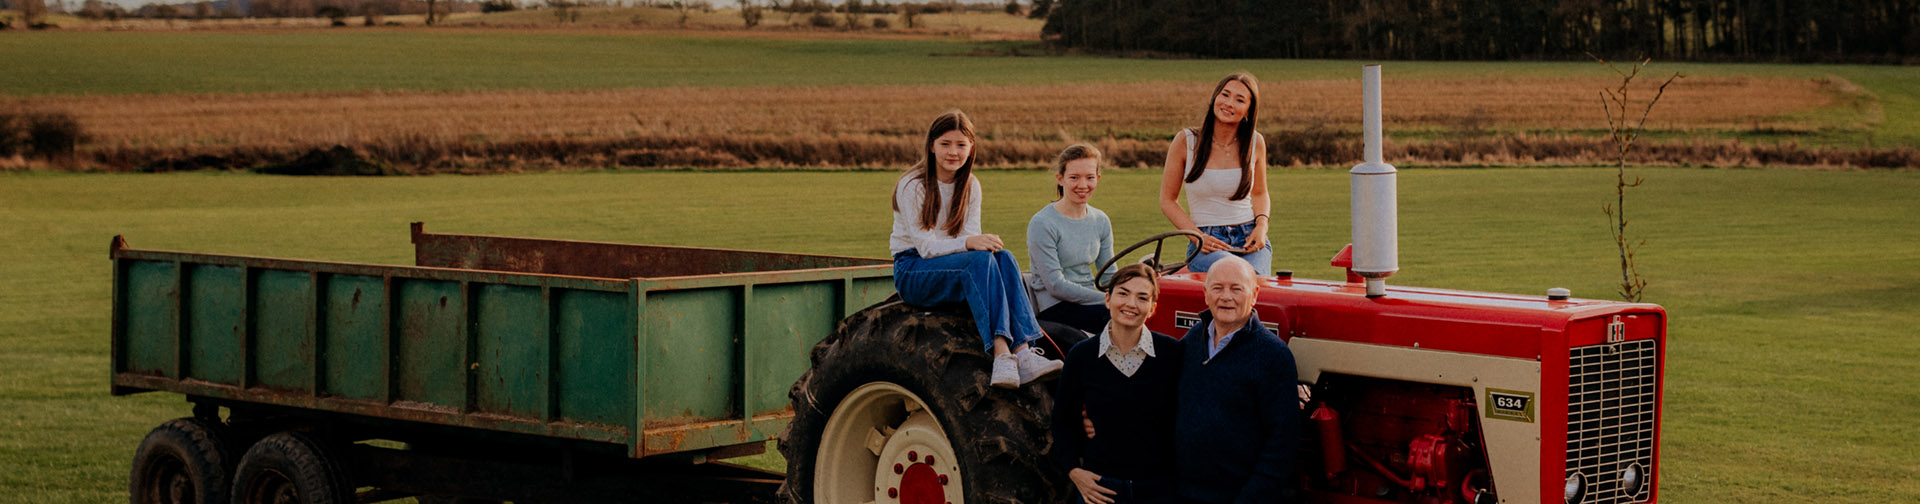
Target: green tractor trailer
{"points": [[493, 369]]}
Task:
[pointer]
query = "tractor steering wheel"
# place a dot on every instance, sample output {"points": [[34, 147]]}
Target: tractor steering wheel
{"points": [[1158, 267]]}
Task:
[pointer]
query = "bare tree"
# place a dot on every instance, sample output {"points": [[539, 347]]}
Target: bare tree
{"points": [[750, 13], [32, 12], [854, 15], [159, 11], [684, 8], [370, 14], [910, 14], [1624, 131]]}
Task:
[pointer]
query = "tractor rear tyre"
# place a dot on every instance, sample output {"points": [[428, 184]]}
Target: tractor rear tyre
{"points": [[896, 410], [183, 461], [290, 468]]}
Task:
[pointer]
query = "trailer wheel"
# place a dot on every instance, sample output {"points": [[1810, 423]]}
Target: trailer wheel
{"points": [[183, 461], [290, 468], [896, 410]]}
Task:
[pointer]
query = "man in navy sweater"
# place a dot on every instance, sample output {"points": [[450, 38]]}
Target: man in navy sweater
{"points": [[1238, 423]]}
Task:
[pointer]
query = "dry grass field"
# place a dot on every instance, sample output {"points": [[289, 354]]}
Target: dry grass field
{"points": [[1141, 110], [996, 25], [980, 25], [523, 97], [1440, 122]]}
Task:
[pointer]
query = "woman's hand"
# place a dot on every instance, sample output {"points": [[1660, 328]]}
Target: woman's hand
{"points": [[1089, 485], [985, 242], [1209, 244], [1257, 239]]}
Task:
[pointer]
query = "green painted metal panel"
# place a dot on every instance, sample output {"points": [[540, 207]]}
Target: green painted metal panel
{"points": [[510, 335], [698, 361], [596, 356], [216, 307], [430, 351], [354, 348], [283, 306], [871, 290], [150, 318], [690, 349], [784, 321]]}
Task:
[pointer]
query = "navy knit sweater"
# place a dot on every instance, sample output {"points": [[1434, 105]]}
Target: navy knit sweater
{"points": [[1132, 415], [1238, 427]]}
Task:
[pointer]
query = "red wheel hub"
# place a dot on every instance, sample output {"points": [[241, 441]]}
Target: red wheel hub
{"points": [[921, 485]]}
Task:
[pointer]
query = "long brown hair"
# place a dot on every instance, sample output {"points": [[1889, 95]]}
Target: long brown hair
{"points": [[1073, 153], [1243, 136], [927, 170]]}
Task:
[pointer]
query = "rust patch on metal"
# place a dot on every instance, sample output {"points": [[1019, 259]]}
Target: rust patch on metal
{"points": [[607, 260]]}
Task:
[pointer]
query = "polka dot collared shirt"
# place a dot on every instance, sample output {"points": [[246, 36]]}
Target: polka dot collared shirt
{"points": [[1127, 360]]}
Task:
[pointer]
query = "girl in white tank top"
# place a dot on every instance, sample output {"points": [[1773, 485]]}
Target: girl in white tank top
{"points": [[1225, 180], [1209, 198]]}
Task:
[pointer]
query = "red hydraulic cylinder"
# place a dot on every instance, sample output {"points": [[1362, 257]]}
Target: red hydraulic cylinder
{"points": [[1333, 453]]}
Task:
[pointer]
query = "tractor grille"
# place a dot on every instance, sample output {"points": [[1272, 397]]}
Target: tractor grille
{"points": [[1612, 395]]}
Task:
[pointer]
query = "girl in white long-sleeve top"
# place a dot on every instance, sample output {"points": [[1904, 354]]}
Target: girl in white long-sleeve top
{"points": [[940, 256]]}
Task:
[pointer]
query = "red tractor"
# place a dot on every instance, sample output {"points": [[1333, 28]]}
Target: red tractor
{"points": [[1419, 395]]}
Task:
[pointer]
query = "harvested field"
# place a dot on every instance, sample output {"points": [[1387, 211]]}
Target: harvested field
{"points": [[1437, 121], [1144, 110]]}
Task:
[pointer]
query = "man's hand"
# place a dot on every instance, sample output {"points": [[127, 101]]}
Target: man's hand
{"points": [[1086, 423], [1306, 395], [1089, 485]]}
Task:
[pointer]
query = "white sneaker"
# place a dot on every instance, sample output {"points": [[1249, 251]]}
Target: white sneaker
{"points": [[1006, 371], [1033, 366]]}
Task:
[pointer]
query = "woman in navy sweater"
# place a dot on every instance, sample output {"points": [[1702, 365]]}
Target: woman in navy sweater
{"points": [[1126, 381]]}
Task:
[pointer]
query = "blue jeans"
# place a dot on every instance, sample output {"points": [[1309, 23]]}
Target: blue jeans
{"points": [[988, 282], [1235, 235]]}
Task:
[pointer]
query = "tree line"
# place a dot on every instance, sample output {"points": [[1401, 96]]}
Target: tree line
{"points": [[1704, 30]]}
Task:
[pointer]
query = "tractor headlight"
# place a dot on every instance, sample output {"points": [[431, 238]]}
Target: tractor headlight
{"points": [[1631, 479], [1576, 488]]}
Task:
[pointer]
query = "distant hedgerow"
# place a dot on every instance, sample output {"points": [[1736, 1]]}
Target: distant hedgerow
{"points": [[44, 135]]}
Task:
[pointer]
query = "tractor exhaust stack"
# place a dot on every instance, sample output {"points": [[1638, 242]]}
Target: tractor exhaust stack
{"points": [[1376, 243]]}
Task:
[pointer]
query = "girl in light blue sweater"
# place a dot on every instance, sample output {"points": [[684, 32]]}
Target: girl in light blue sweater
{"points": [[1067, 240]]}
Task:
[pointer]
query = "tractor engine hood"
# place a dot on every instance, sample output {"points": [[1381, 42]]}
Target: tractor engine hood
{"points": [[1508, 325]]}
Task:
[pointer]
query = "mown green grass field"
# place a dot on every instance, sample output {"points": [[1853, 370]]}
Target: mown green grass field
{"points": [[1790, 373], [1792, 293], [454, 59]]}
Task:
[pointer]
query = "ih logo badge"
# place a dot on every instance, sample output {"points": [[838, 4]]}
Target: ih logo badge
{"points": [[1616, 330], [1186, 320], [1510, 405]]}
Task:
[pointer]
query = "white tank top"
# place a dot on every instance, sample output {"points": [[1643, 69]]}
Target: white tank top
{"points": [[1207, 196]]}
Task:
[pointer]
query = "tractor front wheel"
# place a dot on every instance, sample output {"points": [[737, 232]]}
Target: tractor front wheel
{"points": [[896, 410]]}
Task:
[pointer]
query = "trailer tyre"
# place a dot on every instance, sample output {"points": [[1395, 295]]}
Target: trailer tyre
{"points": [[183, 461], [896, 410], [290, 468]]}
